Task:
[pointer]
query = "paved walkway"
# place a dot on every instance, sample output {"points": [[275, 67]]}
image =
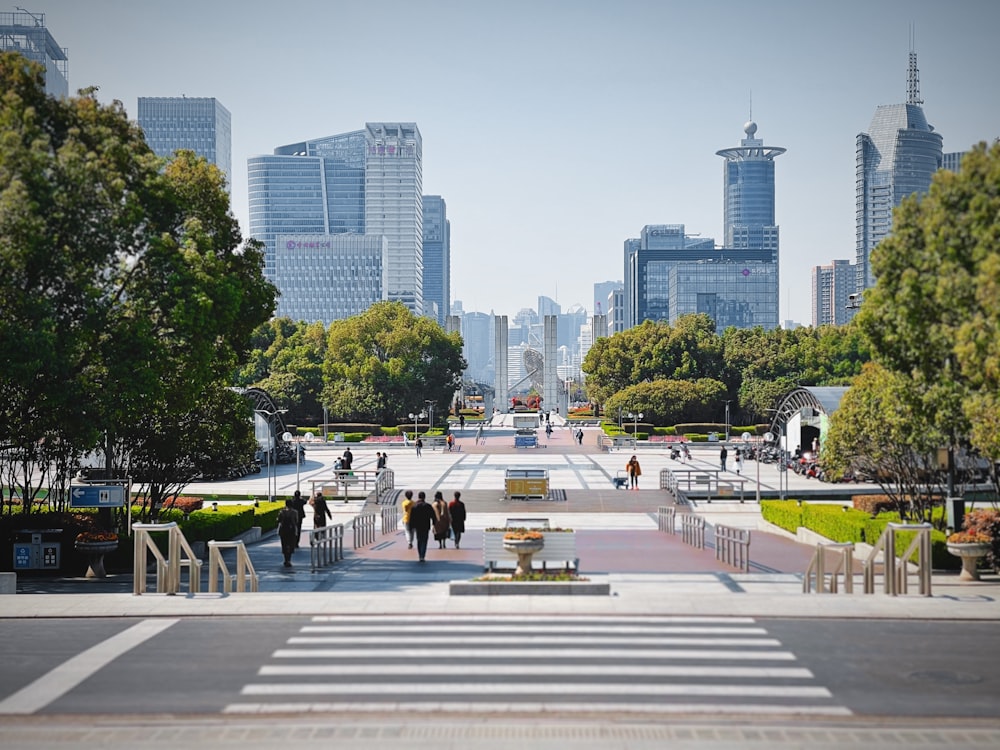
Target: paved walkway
{"points": [[650, 572]]}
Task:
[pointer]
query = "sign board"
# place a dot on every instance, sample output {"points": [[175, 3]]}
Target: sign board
{"points": [[97, 496]]}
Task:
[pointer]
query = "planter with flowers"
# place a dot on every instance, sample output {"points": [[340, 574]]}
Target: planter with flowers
{"points": [[96, 544], [524, 544], [971, 547]]}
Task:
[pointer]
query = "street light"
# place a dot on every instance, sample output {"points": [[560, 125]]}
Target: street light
{"points": [[635, 422], [727, 420], [415, 417], [287, 437], [268, 416]]}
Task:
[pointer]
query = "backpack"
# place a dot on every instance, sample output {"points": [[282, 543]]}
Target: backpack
{"points": [[288, 521]]}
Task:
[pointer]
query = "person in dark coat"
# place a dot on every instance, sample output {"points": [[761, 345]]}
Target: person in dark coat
{"points": [[443, 522], [422, 517], [457, 510], [347, 460], [321, 511], [299, 503], [723, 454], [288, 530]]}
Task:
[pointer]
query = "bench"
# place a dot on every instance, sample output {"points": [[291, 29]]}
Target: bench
{"points": [[434, 441], [560, 547]]}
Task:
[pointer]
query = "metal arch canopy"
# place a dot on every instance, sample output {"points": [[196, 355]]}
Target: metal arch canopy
{"points": [[823, 399]]}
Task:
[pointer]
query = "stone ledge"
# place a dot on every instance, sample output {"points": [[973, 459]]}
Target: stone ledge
{"points": [[8, 583], [529, 588]]}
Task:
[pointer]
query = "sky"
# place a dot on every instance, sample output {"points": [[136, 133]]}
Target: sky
{"points": [[555, 130]]}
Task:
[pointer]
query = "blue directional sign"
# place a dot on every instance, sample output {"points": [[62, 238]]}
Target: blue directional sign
{"points": [[97, 496]]}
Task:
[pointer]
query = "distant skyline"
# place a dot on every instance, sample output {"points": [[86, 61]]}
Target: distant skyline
{"points": [[555, 130]]}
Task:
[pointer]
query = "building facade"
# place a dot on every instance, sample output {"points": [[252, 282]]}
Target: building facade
{"points": [[437, 258], [364, 182], [896, 158], [328, 277], [27, 34], [200, 124], [832, 287], [748, 186]]}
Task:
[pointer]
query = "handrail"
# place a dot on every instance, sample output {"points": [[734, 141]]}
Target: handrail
{"points": [[326, 545], [693, 530], [384, 483], [390, 519], [364, 529], [732, 546], [818, 568], [895, 570], [666, 518], [244, 574], [168, 569]]}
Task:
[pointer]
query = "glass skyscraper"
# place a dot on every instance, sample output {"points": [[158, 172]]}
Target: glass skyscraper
{"points": [[437, 258], [25, 33], [748, 184], [367, 182], [896, 157], [200, 124]]}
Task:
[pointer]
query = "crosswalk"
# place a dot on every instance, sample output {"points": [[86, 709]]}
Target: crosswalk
{"points": [[572, 664]]}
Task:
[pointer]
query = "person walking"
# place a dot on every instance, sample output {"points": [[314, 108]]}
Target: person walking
{"points": [[288, 530], [321, 511], [442, 523], [457, 510], [419, 444], [347, 460], [407, 506], [421, 519], [723, 454], [634, 472], [461, 422], [380, 459], [299, 503], [739, 460], [450, 440]]}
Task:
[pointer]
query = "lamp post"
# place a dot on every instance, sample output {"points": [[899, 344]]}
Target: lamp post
{"points": [[727, 419], [635, 417], [287, 437], [268, 416], [415, 417]]}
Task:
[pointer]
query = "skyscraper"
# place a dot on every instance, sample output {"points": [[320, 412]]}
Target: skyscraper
{"points": [[367, 181], [26, 33], [748, 183], [437, 258], [832, 287], [200, 124], [894, 159]]}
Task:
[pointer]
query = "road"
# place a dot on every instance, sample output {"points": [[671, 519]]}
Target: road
{"points": [[840, 673]]}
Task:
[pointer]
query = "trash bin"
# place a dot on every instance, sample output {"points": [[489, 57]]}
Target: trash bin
{"points": [[338, 437], [37, 549]]}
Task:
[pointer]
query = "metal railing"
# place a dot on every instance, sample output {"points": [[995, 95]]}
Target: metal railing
{"points": [[385, 482], [245, 577], [390, 519], [732, 546], [896, 569], [342, 484], [820, 567], [168, 569], [326, 545], [666, 519], [693, 530], [364, 529]]}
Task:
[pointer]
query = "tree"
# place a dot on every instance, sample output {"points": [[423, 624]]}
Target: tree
{"points": [[387, 362], [667, 402], [933, 315]]}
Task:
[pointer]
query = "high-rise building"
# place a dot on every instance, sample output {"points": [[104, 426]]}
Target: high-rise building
{"points": [[437, 258], [601, 291], [832, 287], [200, 124], [367, 181], [748, 182], [895, 158], [26, 33], [477, 346], [328, 277], [616, 311]]}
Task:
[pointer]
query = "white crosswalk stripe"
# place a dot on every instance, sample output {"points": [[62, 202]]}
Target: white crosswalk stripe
{"points": [[573, 664]]}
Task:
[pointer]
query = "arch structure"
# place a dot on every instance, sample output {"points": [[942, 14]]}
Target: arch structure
{"points": [[269, 426], [803, 417]]}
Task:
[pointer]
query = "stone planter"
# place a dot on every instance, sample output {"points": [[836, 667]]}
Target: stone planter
{"points": [[524, 549], [970, 553], [95, 552]]}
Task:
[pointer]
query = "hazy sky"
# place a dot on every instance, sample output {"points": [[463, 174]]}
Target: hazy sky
{"points": [[555, 130]]}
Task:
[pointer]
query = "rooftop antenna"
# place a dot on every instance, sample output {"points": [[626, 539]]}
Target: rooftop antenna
{"points": [[913, 75], [751, 106]]}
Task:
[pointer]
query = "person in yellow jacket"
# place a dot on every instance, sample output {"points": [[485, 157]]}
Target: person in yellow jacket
{"points": [[406, 505], [634, 472]]}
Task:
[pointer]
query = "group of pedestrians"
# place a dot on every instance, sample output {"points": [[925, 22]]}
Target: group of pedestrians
{"points": [[290, 520], [445, 519]]}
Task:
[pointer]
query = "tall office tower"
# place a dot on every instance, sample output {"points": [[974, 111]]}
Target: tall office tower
{"points": [[477, 346], [601, 291], [952, 161], [748, 183], [26, 33], [616, 311], [328, 277], [367, 182], [547, 306], [200, 124], [894, 159], [437, 258], [832, 287]]}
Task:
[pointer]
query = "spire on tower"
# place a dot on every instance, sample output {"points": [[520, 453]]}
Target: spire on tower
{"points": [[913, 76]]}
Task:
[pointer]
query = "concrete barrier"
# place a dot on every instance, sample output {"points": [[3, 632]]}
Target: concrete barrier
{"points": [[8, 583]]}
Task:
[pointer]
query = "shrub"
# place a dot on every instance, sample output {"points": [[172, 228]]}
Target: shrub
{"points": [[986, 521], [786, 514]]}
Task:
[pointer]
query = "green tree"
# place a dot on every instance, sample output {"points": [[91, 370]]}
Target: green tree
{"points": [[668, 402], [387, 362]]}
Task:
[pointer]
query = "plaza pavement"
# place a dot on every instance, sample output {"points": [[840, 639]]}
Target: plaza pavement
{"points": [[650, 572]]}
